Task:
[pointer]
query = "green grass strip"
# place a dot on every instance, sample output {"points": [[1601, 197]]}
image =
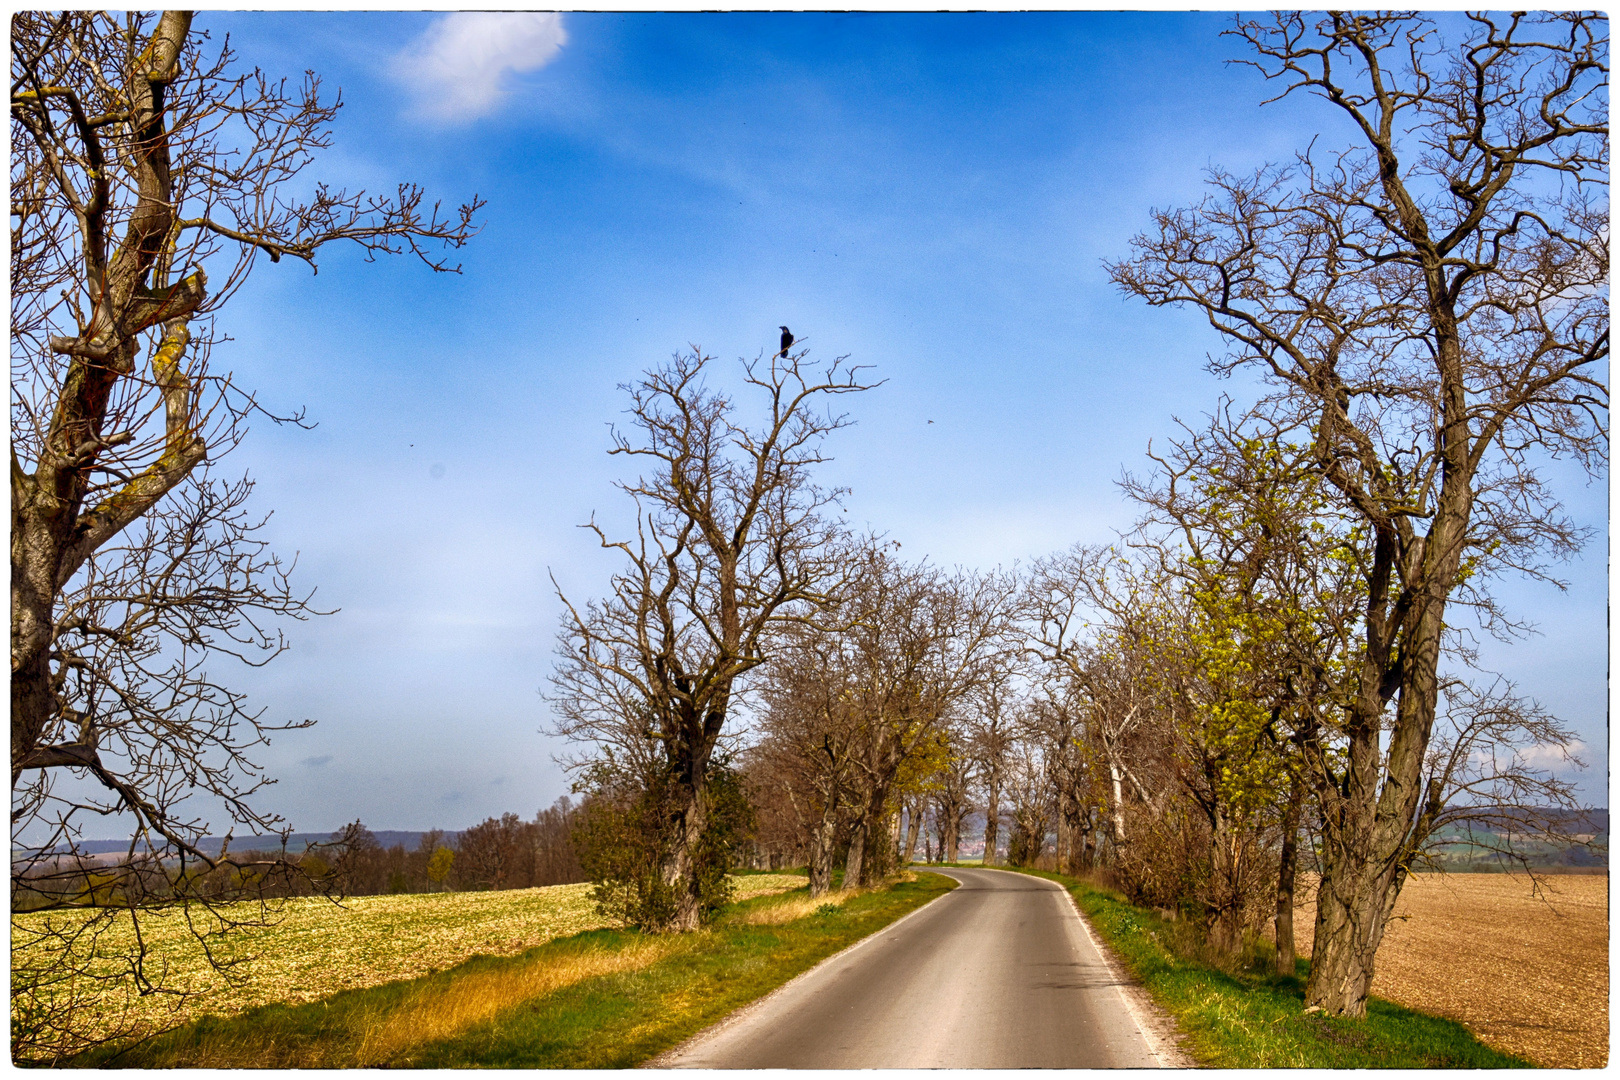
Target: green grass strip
{"points": [[1239, 1014], [606, 1021]]}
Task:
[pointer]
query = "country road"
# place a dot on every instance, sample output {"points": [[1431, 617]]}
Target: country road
{"points": [[998, 973]]}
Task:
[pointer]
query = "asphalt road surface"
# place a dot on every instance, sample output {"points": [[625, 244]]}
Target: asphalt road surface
{"points": [[997, 974]]}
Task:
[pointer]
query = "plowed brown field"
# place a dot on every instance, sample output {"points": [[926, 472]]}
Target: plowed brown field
{"points": [[1529, 975]]}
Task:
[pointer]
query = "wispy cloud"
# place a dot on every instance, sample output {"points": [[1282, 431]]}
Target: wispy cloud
{"points": [[459, 69], [1555, 758], [316, 762]]}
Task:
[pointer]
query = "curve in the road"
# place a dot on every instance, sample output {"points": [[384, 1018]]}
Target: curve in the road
{"points": [[998, 973]]}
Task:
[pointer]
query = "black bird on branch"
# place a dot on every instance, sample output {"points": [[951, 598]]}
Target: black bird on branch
{"points": [[787, 341]]}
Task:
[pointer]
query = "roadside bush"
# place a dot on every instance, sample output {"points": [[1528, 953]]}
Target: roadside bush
{"points": [[1168, 864]]}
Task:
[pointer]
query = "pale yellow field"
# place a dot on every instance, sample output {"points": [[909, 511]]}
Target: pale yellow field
{"points": [[317, 948], [1527, 974]]}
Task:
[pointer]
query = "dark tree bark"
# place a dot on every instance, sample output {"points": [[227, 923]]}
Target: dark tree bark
{"points": [[1288, 865]]}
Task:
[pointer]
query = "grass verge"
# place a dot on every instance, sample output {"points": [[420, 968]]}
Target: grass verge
{"points": [[602, 999], [1238, 1013]]}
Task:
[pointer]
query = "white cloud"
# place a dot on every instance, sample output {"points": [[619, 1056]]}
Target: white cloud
{"points": [[1556, 758], [457, 70]]}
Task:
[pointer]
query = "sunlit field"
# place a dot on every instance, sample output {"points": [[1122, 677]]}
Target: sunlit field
{"points": [[317, 948], [1528, 972]]}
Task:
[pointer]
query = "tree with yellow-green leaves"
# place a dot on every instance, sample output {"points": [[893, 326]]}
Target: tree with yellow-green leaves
{"points": [[440, 863], [1240, 524], [1270, 572]]}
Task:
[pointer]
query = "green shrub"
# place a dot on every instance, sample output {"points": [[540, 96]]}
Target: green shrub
{"points": [[624, 838]]}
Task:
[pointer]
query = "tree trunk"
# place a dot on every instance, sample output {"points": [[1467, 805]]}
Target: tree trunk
{"points": [[680, 865], [1118, 807], [1061, 853], [872, 842], [1225, 930], [992, 814], [821, 852], [1367, 830], [855, 860], [913, 827], [1351, 917], [1287, 867]]}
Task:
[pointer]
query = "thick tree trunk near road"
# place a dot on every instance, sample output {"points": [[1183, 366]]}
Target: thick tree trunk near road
{"points": [[1369, 833], [1226, 929], [951, 842], [871, 841], [1351, 917], [1117, 806], [821, 852], [680, 866], [854, 861]]}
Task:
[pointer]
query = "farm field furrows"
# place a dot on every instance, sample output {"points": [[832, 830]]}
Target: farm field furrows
{"points": [[317, 948], [1529, 975]]}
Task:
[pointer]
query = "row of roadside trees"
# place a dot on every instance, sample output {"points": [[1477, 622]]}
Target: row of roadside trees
{"points": [[1285, 637]]}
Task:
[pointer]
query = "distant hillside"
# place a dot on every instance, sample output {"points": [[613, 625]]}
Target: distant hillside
{"points": [[1454, 849]]}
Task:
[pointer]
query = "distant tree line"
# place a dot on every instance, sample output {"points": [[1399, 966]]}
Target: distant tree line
{"points": [[503, 852]]}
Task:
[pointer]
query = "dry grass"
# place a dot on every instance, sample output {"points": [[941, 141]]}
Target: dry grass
{"points": [[317, 948], [1529, 975], [794, 907], [379, 1035], [445, 1011], [786, 909]]}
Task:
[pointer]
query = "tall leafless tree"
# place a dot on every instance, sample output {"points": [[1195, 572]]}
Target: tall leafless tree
{"points": [[1430, 308], [733, 537], [992, 720], [149, 173]]}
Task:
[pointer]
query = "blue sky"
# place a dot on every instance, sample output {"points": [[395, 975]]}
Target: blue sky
{"points": [[930, 194]]}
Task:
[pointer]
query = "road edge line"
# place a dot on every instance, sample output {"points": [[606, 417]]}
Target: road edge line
{"points": [[1150, 1019], [741, 1013]]}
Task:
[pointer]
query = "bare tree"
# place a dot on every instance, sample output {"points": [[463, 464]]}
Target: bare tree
{"points": [[1032, 804], [1430, 308], [952, 792], [733, 537], [147, 177], [808, 734], [1054, 724], [1068, 600], [991, 732]]}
